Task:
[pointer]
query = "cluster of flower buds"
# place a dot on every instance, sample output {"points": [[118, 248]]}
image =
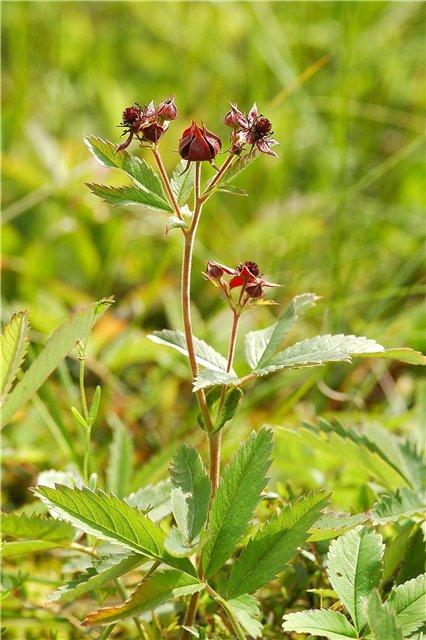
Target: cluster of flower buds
{"points": [[245, 276], [252, 129], [148, 123]]}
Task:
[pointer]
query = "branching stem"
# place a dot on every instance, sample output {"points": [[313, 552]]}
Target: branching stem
{"points": [[166, 182]]}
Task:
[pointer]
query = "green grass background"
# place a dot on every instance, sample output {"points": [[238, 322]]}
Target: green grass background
{"points": [[339, 213]]}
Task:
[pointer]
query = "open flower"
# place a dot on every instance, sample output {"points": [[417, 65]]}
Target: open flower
{"points": [[246, 275], [148, 123], [252, 129], [199, 144]]}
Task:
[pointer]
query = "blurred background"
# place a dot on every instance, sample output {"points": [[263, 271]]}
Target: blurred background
{"points": [[340, 213]]}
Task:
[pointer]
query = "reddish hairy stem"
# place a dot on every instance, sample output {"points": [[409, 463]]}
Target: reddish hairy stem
{"points": [[166, 182]]}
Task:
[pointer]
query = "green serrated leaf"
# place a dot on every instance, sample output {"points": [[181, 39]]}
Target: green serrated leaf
{"points": [[246, 610], [261, 345], [320, 622], [381, 618], [205, 355], [408, 600], [403, 503], [92, 511], [13, 347], [57, 347], [177, 545], [191, 491], [236, 498], [35, 527], [156, 589], [124, 196], [182, 182], [154, 499], [138, 170], [355, 568], [268, 552], [24, 547], [210, 378], [121, 463], [228, 408], [331, 525], [109, 568], [230, 188]]}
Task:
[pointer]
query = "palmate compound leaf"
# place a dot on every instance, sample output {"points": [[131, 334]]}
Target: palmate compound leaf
{"points": [[268, 552], [109, 568], [124, 196], [35, 527], [13, 346], [138, 170], [322, 350], [408, 600], [260, 346], [191, 491], [108, 518], [182, 182], [236, 498], [320, 622], [152, 591], [355, 568], [381, 618], [403, 503], [57, 347], [205, 355]]}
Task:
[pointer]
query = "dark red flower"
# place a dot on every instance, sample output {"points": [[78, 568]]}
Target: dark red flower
{"points": [[246, 275], [252, 129], [149, 123], [199, 144]]}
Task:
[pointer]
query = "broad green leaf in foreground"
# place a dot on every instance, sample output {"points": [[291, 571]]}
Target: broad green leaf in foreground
{"points": [[236, 498], [403, 503], [191, 491], [355, 568], [268, 552], [182, 182], [156, 589], [261, 345], [109, 568], [138, 170], [123, 196], [154, 499], [205, 355], [381, 618], [13, 345], [35, 527], [334, 348], [109, 518], [120, 464], [57, 347], [408, 600], [320, 622], [331, 525]]}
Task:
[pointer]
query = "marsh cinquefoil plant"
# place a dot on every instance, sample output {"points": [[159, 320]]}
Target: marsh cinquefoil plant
{"points": [[210, 550]]}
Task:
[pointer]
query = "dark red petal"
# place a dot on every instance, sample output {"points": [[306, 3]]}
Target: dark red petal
{"points": [[237, 281], [263, 146]]}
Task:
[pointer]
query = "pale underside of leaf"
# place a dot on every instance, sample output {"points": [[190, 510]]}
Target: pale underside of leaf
{"points": [[153, 591], [205, 355], [109, 568], [57, 347], [209, 378], [320, 622], [246, 609], [408, 600], [331, 525], [154, 499], [13, 344]]}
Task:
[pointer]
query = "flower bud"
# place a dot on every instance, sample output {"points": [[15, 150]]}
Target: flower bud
{"points": [[199, 144], [167, 109], [234, 118], [213, 270], [254, 290], [152, 133]]}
